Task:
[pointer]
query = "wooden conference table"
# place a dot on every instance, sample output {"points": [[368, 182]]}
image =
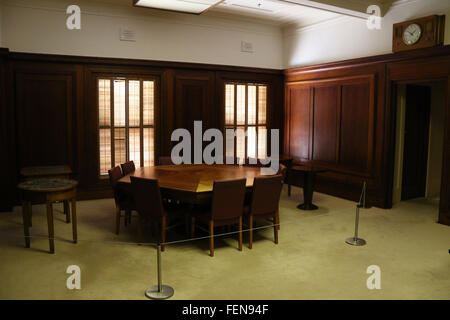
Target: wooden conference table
{"points": [[192, 182]]}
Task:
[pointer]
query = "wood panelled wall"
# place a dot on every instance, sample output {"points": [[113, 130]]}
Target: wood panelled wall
{"points": [[342, 116], [49, 110]]}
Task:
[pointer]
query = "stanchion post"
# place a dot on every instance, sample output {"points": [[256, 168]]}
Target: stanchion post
{"points": [[160, 291], [355, 241]]}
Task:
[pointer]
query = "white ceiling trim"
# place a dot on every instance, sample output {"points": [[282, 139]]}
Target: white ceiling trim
{"points": [[291, 31], [329, 8]]}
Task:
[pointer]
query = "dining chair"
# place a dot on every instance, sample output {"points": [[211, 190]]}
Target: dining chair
{"points": [[226, 209], [123, 200], [128, 167], [282, 170], [150, 208], [265, 202]]}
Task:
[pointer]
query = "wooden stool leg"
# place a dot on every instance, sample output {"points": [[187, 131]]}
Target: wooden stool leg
{"points": [[26, 222], [211, 238], [275, 230], [51, 233], [74, 220], [163, 232], [126, 218], [240, 233], [250, 237], [30, 213], [117, 219], [66, 210]]}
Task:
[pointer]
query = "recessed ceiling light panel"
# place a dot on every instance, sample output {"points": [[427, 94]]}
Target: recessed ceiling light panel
{"points": [[186, 6]]}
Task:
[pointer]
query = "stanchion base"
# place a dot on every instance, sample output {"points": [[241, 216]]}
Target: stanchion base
{"points": [[165, 293], [355, 241]]}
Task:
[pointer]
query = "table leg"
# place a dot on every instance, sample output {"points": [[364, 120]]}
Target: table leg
{"points": [[30, 213], [308, 190], [74, 220], [51, 233], [26, 230], [67, 210]]}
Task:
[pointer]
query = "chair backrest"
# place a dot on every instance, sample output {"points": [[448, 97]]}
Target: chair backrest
{"points": [[164, 161], [228, 199], [128, 167], [114, 175], [282, 170], [147, 197], [266, 195]]}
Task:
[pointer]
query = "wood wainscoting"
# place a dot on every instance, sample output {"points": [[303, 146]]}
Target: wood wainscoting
{"points": [[342, 116], [49, 110]]}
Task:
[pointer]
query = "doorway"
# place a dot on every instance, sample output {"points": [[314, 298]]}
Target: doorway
{"points": [[419, 140]]}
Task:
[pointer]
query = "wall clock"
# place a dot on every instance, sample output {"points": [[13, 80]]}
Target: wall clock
{"points": [[418, 33]]}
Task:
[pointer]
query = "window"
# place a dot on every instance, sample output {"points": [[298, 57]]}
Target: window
{"points": [[126, 109], [246, 111]]}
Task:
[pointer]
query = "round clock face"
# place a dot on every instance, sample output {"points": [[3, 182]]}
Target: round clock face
{"points": [[412, 34]]}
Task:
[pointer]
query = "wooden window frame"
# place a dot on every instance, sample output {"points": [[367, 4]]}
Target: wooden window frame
{"points": [[257, 125], [127, 127]]}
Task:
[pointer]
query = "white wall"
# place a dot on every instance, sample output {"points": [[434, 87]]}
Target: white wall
{"points": [[39, 26], [347, 37]]}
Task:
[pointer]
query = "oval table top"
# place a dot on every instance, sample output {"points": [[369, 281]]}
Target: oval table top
{"points": [[194, 177], [48, 185]]}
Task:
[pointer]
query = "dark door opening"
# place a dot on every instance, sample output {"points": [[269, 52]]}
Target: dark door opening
{"points": [[415, 154]]}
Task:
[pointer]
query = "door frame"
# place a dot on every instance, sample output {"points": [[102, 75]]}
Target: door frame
{"points": [[399, 74]]}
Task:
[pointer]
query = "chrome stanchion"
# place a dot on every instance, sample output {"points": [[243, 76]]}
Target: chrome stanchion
{"points": [[355, 241], [160, 291]]}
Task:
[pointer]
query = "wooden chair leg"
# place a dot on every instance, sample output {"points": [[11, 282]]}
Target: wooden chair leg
{"points": [[66, 210], [250, 237], [163, 232], [278, 219], [275, 230], [51, 232], [289, 190], [129, 216], [117, 219], [211, 238], [26, 223], [74, 220], [240, 233]]}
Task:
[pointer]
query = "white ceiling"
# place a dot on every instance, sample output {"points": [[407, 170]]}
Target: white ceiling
{"points": [[283, 13], [275, 11]]}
